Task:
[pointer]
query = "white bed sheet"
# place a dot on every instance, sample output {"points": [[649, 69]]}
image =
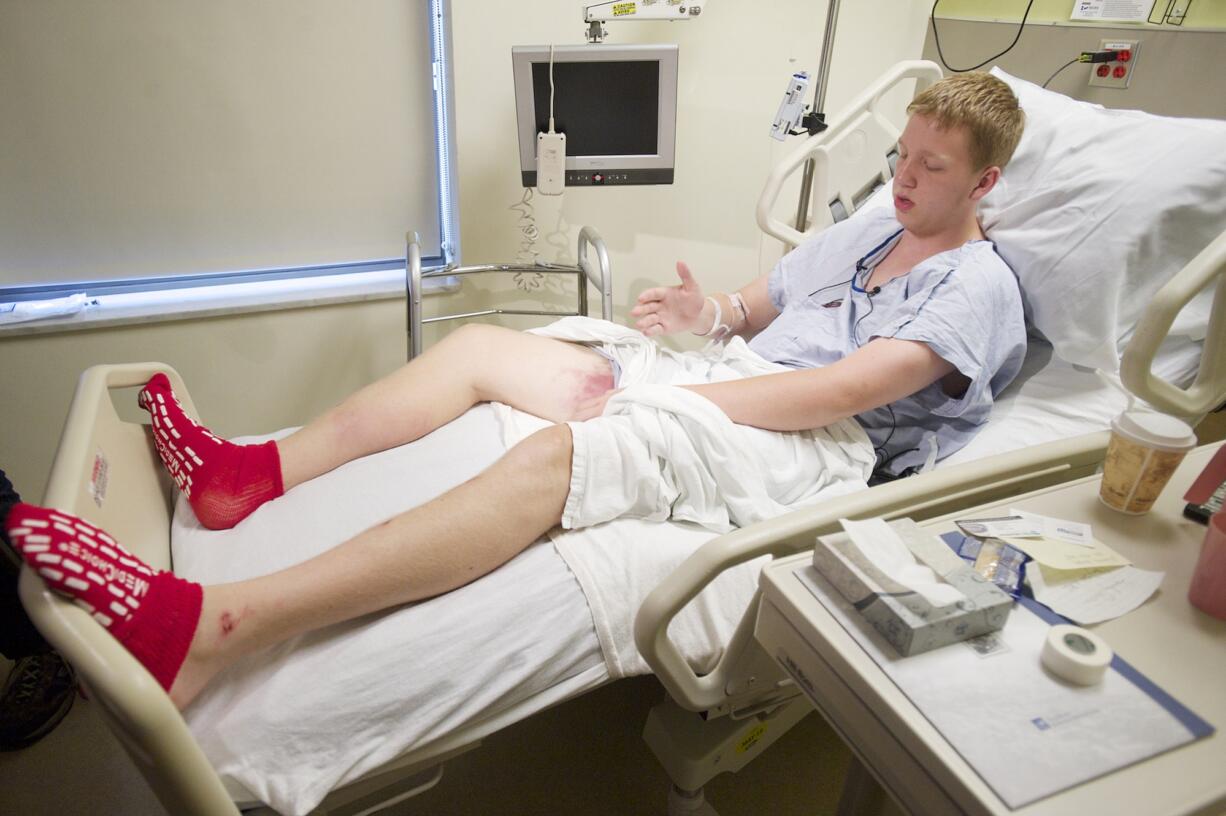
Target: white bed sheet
{"points": [[289, 724]]}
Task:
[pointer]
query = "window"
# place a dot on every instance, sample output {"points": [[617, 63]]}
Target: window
{"points": [[152, 144]]}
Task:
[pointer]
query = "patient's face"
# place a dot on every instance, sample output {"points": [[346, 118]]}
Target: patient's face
{"points": [[934, 182]]}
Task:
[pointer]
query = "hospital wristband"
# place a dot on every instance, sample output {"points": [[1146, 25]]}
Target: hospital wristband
{"points": [[717, 329]]}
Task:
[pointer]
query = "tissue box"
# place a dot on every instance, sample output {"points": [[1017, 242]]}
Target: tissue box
{"points": [[906, 619]]}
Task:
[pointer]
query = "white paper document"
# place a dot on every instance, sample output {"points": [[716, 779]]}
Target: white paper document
{"points": [[1070, 532], [1131, 11], [1087, 597], [1002, 527], [1064, 556], [1025, 732]]}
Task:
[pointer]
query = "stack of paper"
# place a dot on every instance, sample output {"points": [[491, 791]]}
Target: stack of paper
{"points": [[1071, 573]]}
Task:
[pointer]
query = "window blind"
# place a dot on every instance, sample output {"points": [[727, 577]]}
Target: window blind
{"points": [[145, 141]]}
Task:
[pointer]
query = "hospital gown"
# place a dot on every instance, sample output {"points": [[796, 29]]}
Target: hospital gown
{"points": [[963, 303], [660, 452]]}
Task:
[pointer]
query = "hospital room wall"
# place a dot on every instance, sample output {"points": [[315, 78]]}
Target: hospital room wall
{"points": [[255, 372], [1205, 14], [1167, 74], [734, 63]]}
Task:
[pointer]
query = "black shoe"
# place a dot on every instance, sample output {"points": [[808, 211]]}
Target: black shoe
{"points": [[37, 695]]}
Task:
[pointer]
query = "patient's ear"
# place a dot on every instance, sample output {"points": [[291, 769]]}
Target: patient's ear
{"points": [[987, 180]]}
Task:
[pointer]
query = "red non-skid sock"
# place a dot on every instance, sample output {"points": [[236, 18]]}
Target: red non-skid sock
{"points": [[153, 614], [224, 482]]}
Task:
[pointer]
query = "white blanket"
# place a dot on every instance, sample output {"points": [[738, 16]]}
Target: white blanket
{"points": [[726, 468], [286, 725]]}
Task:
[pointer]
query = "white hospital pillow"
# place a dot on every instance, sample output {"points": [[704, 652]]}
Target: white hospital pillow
{"points": [[1097, 209]]}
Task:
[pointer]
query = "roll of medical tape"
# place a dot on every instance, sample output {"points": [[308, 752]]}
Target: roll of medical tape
{"points": [[1075, 654]]}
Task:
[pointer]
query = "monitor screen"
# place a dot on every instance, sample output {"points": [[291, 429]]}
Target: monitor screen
{"points": [[615, 103]]}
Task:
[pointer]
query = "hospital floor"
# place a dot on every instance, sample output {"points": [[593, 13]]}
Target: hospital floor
{"points": [[582, 758], [587, 758]]}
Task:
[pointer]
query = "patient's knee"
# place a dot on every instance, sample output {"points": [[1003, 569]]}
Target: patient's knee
{"points": [[478, 337], [546, 453]]}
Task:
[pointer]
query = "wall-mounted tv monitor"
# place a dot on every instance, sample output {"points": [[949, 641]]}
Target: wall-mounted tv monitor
{"points": [[617, 105]]}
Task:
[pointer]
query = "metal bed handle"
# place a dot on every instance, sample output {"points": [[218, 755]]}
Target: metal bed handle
{"points": [[796, 531], [600, 275], [413, 282], [1209, 387], [816, 147]]}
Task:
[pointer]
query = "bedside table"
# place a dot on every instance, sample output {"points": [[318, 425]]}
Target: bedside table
{"points": [[1175, 645]]}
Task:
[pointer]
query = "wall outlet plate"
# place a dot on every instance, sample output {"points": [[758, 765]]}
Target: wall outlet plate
{"points": [[1127, 67]]}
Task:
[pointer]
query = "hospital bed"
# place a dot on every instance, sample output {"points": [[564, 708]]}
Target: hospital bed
{"points": [[358, 716]]}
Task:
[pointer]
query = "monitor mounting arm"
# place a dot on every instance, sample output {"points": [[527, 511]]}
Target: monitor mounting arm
{"points": [[598, 14]]}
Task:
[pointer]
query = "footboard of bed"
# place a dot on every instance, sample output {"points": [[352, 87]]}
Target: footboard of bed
{"points": [[107, 471]]}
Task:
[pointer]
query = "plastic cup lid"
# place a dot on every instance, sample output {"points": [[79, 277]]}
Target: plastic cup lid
{"points": [[1156, 430]]}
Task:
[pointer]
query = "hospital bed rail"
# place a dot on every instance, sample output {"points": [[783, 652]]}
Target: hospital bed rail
{"points": [[734, 684], [599, 274], [927, 495], [860, 135], [1208, 388]]}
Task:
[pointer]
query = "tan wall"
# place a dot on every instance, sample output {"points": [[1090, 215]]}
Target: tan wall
{"points": [[1206, 14], [256, 372], [248, 373], [1171, 76]]}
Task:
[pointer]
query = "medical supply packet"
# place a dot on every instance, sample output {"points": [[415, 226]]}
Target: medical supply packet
{"points": [[910, 622], [996, 561]]}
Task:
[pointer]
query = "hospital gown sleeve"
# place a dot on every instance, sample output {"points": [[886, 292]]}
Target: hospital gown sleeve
{"points": [[972, 318]]}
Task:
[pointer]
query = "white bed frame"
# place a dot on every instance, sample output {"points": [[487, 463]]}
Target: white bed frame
{"points": [[106, 470]]}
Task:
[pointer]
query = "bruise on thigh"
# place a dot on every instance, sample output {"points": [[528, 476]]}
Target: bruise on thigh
{"points": [[546, 377], [581, 383]]}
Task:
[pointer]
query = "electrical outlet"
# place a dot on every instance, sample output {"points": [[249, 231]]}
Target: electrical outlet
{"points": [[1118, 72]]}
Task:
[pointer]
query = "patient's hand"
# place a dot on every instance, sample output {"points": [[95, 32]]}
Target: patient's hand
{"points": [[670, 309]]}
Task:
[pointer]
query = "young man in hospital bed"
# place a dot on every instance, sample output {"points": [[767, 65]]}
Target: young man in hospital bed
{"points": [[878, 345]]}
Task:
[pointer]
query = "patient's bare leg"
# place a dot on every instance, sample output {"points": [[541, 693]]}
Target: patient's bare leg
{"points": [[429, 550], [476, 363], [226, 482]]}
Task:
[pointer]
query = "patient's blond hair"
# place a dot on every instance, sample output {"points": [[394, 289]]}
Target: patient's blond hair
{"points": [[982, 104]]}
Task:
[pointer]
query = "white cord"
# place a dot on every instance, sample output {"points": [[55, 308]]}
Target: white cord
{"points": [[551, 88], [529, 233], [526, 226]]}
